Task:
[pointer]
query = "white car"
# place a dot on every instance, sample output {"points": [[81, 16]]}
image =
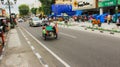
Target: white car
{"points": [[20, 20], [35, 21]]}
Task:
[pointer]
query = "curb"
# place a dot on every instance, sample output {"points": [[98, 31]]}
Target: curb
{"points": [[84, 28], [102, 31]]}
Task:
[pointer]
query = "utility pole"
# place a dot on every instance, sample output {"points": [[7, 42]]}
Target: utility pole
{"points": [[116, 9], [9, 6], [9, 11]]}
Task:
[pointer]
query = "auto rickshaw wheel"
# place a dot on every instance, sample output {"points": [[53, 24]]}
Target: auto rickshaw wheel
{"points": [[56, 36], [45, 37]]}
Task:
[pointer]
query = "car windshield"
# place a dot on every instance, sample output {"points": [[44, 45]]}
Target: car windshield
{"points": [[36, 19]]}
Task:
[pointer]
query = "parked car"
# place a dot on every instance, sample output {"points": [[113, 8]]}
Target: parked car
{"points": [[20, 20], [45, 22], [35, 21]]}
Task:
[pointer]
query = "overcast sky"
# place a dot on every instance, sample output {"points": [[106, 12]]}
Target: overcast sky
{"points": [[19, 2]]}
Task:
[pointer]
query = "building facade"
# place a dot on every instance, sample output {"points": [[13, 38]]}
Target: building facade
{"points": [[108, 6], [63, 1]]}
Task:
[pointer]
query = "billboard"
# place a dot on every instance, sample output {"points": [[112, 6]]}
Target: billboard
{"points": [[83, 4], [106, 3]]}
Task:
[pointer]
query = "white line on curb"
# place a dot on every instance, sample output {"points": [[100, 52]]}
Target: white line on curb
{"points": [[38, 55], [58, 58]]}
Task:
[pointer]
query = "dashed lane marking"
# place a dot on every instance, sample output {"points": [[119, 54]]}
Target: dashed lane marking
{"points": [[29, 42], [33, 49], [26, 38], [38, 55], [58, 58]]}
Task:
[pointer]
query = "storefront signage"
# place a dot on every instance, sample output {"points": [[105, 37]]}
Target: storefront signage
{"points": [[106, 3], [119, 2], [83, 4]]}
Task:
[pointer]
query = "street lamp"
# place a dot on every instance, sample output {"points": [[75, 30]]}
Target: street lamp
{"points": [[116, 9], [9, 6]]}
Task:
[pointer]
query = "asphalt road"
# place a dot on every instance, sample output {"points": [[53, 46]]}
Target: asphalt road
{"points": [[81, 49]]}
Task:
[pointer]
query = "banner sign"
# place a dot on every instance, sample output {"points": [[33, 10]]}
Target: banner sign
{"points": [[119, 2], [106, 3], [83, 4]]}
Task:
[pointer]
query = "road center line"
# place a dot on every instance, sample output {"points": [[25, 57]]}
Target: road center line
{"points": [[32, 48], [58, 58], [67, 35]]}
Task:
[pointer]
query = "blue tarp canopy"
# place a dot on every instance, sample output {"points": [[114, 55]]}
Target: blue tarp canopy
{"points": [[64, 8], [102, 17], [78, 12]]}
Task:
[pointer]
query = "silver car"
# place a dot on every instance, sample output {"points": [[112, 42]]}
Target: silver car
{"points": [[35, 21]]}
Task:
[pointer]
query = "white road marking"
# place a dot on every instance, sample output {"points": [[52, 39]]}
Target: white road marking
{"points": [[58, 58], [67, 35], [46, 65], [38, 55], [22, 33], [26, 38], [32, 48], [29, 42]]}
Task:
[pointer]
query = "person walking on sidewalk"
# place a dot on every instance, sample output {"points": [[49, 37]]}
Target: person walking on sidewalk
{"points": [[118, 22], [109, 19]]}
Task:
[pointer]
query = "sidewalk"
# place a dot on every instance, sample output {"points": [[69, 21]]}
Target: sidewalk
{"points": [[79, 25], [17, 53]]}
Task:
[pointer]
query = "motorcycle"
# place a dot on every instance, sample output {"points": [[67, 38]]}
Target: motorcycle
{"points": [[49, 32]]}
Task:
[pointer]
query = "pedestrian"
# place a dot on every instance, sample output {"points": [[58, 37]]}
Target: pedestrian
{"points": [[99, 23], [109, 19], [90, 19], [118, 22], [66, 22]]}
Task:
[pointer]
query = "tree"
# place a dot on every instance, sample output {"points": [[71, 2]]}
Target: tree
{"points": [[40, 9], [24, 9], [46, 5], [34, 10]]}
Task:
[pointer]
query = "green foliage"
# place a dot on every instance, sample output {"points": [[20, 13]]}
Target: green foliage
{"points": [[24, 9], [46, 6], [34, 10], [40, 9]]}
